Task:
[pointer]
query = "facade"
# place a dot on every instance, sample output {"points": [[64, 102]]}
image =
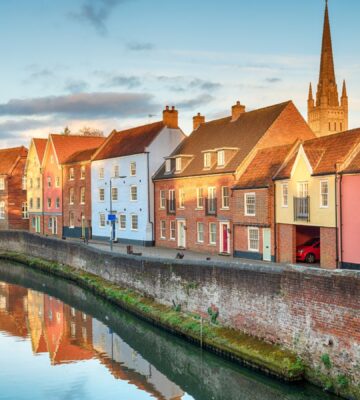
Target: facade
{"points": [[34, 178], [326, 114], [306, 196], [77, 193], [58, 150], [193, 204], [124, 165], [13, 205]]}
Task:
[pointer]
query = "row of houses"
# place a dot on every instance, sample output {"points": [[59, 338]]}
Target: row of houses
{"points": [[256, 184]]}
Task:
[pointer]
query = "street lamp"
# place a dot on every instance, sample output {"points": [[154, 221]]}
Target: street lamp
{"points": [[112, 219]]}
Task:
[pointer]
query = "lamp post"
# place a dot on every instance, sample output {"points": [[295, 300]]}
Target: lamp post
{"points": [[111, 211]]}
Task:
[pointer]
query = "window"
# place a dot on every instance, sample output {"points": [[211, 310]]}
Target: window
{"points": [[38, 203], [172, 200], [324, 194], [30, 183], [23, 182], [82, 172], [57, 182], [33, 222], [168, 166], [57, 203], [24, 210], [212, 233], [134, 222], [200, 198], [49, 181], [116, 172], [133, 193], [114, 194], [2, 184], [225, 197], [31, 203], [122, 222], [102, 220], [181, 198], [50, 223], [71, 174], [285, 195], [250, 204], [212, 200], [163, 229], [200, 232], [38, 183], [49, 202], [132, 168], [101, 194], [172, 230], [71, 196], [207, 160], [82, 195], [221, 158], [253, 239], [71, 219], [101, 173], [2, 209], [162, 199], [178, 164]]}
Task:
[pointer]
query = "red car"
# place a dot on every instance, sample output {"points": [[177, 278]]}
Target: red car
{"points": [[309, 251]]}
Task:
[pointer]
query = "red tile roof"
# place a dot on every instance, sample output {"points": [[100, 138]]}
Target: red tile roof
{"points": [[66, 145], [130, 141], [84, 155], [40, 146], [354, 165], [8, 158]]}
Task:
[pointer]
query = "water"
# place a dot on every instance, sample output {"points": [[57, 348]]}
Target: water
{"points": [[58, 341]]}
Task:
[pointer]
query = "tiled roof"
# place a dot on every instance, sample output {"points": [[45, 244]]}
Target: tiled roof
{"points": [[84, 155], [262, 168], [354, 165], [40, 145], [8, 158], [130, 141], [67, 145], [243, 134]]}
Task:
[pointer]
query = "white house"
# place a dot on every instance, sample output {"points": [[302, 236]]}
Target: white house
{"points": [[124, 165]]}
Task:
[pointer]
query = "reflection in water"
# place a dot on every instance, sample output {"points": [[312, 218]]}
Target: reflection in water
{"points": [[100, 352]]}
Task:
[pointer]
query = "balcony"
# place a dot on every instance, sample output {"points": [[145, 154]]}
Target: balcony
{"points": [[211, 206], [171, 206], [302, 209]]}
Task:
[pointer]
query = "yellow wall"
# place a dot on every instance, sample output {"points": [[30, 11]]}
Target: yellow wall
{"points": [[33, 171], [318, 216]]}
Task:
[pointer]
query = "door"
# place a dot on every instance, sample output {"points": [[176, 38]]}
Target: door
{"points": [[37, 224], [225, 240], [267, 244], [181, 234], [54, 226], [83, 226]]}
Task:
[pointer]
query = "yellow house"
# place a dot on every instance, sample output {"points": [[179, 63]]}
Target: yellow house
{"points": [[35, 184], [305, 200]]}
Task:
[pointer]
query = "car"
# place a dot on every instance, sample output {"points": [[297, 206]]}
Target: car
{"points": [[309, 252]]}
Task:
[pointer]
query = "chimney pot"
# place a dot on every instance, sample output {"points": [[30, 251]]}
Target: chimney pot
{"points": [[198, 120], [236, 111]]}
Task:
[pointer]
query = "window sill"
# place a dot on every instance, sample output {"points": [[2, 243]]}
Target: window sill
{"points": [[199, 209], [253, 251], [224, 208]]}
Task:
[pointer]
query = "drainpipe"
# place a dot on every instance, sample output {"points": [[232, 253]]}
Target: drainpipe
{"points": [[274, 222], [336, 218], [149, 204], [341, 221]]}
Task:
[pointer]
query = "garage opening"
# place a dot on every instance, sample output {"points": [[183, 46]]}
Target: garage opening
{"points": [[308, 245]]}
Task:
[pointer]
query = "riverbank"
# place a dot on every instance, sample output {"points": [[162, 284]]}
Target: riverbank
{"points": [[264, 316]]}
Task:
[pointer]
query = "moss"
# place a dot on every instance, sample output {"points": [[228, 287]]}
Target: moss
{"points": [[229, 342], [325, 358]]}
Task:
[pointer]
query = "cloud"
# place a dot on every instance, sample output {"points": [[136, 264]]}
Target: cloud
{"points": [[129, 82], [273, 80], [89, 105], [183, 84], [20, 125], [195, 102], [204, 85], [76, 86], [96, 13], [140, 46]]}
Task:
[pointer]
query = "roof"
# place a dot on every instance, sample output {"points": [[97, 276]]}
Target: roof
{"points": [[67, 145], [263, 167], [84, 155], [40, 146], [8, 158], [324, 153], [242, 134], [130, 141]]}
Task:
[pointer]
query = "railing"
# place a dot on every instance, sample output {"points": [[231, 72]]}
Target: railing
{"points": [[302, 209], [211, 206], [171, 206]]}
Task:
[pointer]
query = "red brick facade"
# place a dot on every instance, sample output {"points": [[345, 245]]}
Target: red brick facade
{"points": [[328, 254], [286, 243]]}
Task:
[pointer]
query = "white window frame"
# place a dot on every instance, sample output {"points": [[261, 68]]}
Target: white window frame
{"points": [[178, 164], [114, 194], [71, 220], [57, 202], [322, 205], [212, 242], [24, 210], [250, 248], [57, 182], [49, 181], [38, 182], [49, 202], [116, 171], [283, 203], [101, 173], [2, 183], [182, 198], [82, 195], [221, 158], [82, 172], [132, 168], [71, 196], [132, 222], [71, 174], [246, 210], [172, 197], [122, 222], [102, 216], [168, 166], [101, 190], [223, 206], [162, 229], [2, 209], [200, 232], [162, 195], [132, 198], [172, 229], [198, 198], [207, 160], [38, 203]]}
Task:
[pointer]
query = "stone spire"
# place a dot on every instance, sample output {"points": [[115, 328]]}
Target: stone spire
{"points": [[310, 98]]}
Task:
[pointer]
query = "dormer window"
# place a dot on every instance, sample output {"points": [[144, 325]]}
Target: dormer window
{"points": [[168, 166], [207, 160], [178, 164], [221, 158]]}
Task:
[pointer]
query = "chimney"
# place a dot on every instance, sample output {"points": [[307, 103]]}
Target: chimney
{"points": [[198, 120], [171, 117], [236, 111]]}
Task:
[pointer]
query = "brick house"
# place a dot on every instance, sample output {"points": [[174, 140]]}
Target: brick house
{"points": [[193, 187], [58, 150], [77, 193], [35, 185], [13, 205]]}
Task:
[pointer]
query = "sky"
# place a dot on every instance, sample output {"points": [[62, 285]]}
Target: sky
{"points": [[114, 64]]}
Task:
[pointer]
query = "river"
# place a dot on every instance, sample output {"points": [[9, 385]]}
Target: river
{"points": [[60, 342]]}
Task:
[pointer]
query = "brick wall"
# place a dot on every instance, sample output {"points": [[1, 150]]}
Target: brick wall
{"points": [[311, 311], [328, 254], [286, 243]]}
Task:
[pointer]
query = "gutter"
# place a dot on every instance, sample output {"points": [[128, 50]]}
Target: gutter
{"points": [[149, 204]]}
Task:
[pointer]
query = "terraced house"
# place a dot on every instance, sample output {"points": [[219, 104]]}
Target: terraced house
{"points": [[34, 177], [193, 192], [121, 179], [13, 205]]}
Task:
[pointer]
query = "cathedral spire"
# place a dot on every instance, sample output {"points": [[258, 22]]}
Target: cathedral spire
{"points": [[344, 91]]}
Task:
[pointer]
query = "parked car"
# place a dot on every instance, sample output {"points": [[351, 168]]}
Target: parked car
{"points": [[309, 251]]}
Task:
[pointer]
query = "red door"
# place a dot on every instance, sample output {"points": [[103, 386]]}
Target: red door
{"points": [[225, 239]]}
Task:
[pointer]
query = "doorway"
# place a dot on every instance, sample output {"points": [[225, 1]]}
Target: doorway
{"points": [[224, 237], [181, 234], [267, 244]]}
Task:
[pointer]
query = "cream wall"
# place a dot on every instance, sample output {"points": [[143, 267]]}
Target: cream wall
{"points": [[318, 216], [33, 171]]}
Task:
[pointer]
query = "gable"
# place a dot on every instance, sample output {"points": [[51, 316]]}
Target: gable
{"points": [[302, 167]]}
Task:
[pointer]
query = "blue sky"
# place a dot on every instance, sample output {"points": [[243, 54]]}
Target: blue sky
{"points": [[111, 63]]}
